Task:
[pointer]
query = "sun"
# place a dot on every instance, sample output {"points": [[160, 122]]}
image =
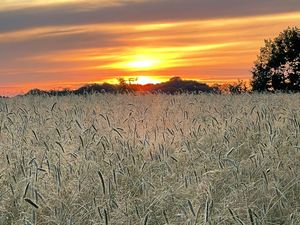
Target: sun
{"points": [[142, 62], [147, 80], [141, 80]]}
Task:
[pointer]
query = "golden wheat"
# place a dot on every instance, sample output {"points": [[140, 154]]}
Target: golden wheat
{"points": [[150, 159]]}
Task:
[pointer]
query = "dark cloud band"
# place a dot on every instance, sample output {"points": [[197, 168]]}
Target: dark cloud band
{"points": [[146, 11]]}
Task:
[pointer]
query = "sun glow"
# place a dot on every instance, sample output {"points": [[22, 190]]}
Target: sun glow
{"points": [[137, 79], [142, 62], [147, 80]]}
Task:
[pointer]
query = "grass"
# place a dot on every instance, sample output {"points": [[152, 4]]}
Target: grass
{"points": [[153, 159]]}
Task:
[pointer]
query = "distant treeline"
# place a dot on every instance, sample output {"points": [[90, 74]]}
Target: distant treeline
{"points": [[175, 85]]}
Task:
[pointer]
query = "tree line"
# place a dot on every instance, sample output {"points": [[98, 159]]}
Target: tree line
{"points": [[175, 85]]}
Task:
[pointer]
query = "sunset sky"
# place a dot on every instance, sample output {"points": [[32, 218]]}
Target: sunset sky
{"points": [[68, 43]]}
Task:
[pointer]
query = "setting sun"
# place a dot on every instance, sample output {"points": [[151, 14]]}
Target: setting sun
{"points": [[142, 62], [138, 60], [147, 80], [141, 80]]}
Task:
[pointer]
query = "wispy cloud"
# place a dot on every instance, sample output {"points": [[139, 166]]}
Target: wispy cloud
{"points": [[25, 4], [106, 11]]}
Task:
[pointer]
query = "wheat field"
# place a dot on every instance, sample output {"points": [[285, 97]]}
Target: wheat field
{"points": [[150, 159]]}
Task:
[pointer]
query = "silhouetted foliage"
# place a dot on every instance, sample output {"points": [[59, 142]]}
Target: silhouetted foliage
{"points": [[177, 85], [124, 87], [278, 65], [96, 88], [38, 92], [217, 88], [173, 86], [239, 87]]}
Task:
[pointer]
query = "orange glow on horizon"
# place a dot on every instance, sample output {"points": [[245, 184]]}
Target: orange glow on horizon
{"points": [[148, 80], [142, 80]]}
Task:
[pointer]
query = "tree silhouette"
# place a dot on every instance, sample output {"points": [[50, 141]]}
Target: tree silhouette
{"points": [[177, 85], [125, 86], [174, 86], [95, 88], [239, 87], [278, 65]]}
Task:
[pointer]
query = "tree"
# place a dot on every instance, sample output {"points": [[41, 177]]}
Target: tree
{"points": [[125, 86], [278, 65], [239, 87], [176, 85]]}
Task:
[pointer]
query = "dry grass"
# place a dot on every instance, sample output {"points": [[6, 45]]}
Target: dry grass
{"points": [[154, 159]]}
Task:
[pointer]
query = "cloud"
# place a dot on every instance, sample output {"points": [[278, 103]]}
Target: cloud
{"points": [[55, 42], [23, 4], [138, 11]]}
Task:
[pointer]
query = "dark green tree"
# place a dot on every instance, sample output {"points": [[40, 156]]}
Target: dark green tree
{"points": [[278, 65]]}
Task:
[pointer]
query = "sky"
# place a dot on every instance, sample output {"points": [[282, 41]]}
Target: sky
{"points": [[58, 44]]}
